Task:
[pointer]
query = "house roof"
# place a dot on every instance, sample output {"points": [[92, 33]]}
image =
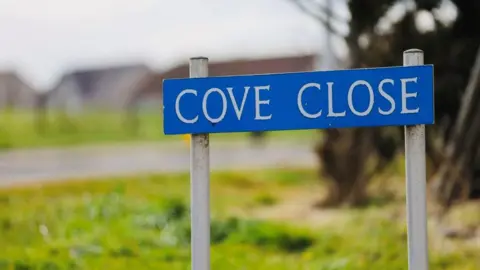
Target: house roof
{"points": [[90, 81], [12, 77], [15, 92], [9, 75], [236, 67], [249, 66], [6, 74], [86, 80]]}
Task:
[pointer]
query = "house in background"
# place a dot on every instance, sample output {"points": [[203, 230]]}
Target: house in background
{"points": [[15, 93], [151, 89], [97, 89]]}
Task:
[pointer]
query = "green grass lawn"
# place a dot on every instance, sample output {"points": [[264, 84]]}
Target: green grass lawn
{"points": [[18, 130], [260, 220]]}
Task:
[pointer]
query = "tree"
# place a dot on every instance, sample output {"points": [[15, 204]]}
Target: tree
{"points": [[453, 143], [456, 177]]}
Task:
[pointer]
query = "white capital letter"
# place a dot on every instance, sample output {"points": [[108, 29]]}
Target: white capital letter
{"points": [[238, 111], [406, 95], [224, 105], [331, 113], [258, 102], [350, 97], [299, 101], [386, 96], [177, 106]]}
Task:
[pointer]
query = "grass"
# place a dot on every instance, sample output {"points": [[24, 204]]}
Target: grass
{"points": [[143, 223], [18, 130]]}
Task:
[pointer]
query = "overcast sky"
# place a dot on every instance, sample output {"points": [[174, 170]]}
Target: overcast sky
{"points": [[44, 38]]}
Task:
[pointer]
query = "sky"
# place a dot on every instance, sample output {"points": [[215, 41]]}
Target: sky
{"points": [[42, 39]]}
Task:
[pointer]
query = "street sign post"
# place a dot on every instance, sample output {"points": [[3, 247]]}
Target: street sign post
{"points": [[200, 184], [416, 180], [388, 96]]}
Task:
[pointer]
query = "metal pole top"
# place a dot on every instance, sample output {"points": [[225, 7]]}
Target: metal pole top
{"points": [[199, 58], [414, 50], [413, 57]]}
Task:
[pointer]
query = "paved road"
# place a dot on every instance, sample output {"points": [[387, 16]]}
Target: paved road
{"points": [[23, 166]]}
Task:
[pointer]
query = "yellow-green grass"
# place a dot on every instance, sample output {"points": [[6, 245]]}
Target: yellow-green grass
{"points": [[143, 223], [20, 130]]}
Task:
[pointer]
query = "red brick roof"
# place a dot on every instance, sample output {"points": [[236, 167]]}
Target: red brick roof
{"points": [[236, 67]]}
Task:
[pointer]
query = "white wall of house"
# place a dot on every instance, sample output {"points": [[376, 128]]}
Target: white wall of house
{"points": [[151, 102], [112, 91], [66, 98], [115, 89]]}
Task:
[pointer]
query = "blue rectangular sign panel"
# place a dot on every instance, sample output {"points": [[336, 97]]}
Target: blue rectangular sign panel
{"points": [[388, 96]]}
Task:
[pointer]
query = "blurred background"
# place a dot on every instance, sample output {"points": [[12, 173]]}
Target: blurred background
{"points": [[89, 180]]}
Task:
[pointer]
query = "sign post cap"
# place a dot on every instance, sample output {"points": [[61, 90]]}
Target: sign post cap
{"points": [[413, 51], [199, 58]]}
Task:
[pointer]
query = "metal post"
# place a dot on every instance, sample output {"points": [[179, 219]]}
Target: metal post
{"points": [[415, 166], [200, 185]]}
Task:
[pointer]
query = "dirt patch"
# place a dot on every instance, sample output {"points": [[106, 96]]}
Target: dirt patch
{"points": [[443, 236], [300, 208], [460, 227]]}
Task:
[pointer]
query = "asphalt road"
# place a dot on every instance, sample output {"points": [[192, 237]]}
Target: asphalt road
{"points": [[26, 166]]}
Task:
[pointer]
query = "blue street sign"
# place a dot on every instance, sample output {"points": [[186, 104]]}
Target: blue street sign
{"points": [[390, 96]]}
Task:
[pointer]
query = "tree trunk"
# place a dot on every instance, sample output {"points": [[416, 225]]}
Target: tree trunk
{"points": [[456, 176], [344, 155]]}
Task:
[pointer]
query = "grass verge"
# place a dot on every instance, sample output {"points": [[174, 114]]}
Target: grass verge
{"points": [[143, 223], [19, 130]]}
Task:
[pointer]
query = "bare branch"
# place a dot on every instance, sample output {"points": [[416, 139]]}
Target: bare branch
{"points": [[319, 9], [320, 15], [306, 10], [469, 101]]}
